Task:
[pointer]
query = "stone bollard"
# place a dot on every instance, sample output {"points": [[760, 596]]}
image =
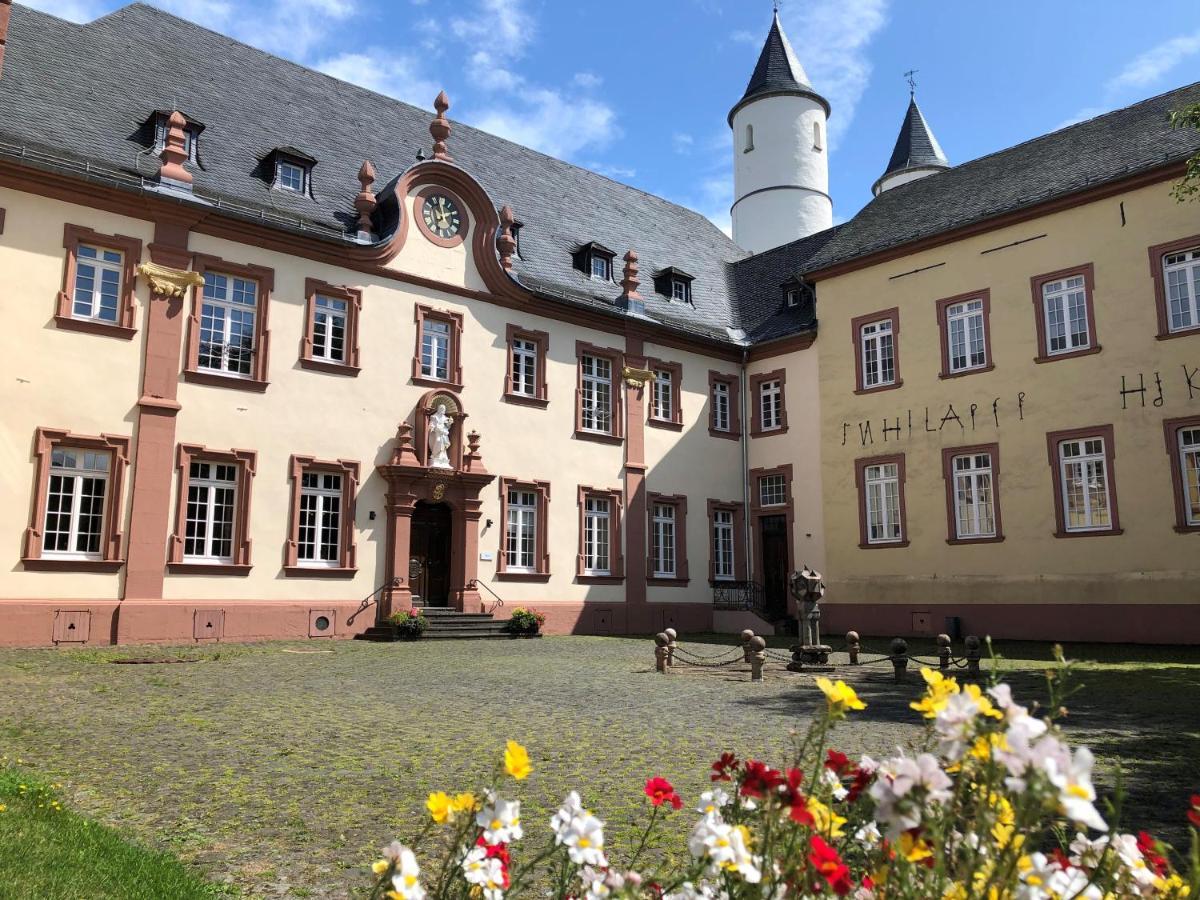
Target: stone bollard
{"points": [[943, 642], [671, 634], [758, 656], [660, 652], [899, 658], [747, 637], [852, 646], [974, 655]]}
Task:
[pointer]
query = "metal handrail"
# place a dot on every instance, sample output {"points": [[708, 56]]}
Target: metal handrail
{"points": [[748, 595], [499, 600], [372, 598]]}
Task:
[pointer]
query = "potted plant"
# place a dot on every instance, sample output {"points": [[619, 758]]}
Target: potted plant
{"points": [[408, 625], [526, 622]]}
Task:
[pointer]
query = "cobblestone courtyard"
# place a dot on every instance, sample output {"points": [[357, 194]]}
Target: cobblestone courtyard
{"points": [[282, 768]]}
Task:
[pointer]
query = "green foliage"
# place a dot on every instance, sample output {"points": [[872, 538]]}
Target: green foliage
{"points": [[526, 621], [409, 624], [1188, 187]]}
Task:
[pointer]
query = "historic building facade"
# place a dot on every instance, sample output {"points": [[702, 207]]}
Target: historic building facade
{"points": [[279, 362]]}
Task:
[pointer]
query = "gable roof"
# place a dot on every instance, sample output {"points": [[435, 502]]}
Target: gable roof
{"points": [[916, 147], [778, 71]]}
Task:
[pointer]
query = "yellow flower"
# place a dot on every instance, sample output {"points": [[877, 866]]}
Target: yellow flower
{"points": [[464, 802], [914, 849], [516, 761], [982, 701], [440, 807], [3, 807], [380, 866], [956, 891], [840, 695], [825, 820], [940, 689]]}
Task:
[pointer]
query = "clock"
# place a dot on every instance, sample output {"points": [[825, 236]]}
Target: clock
{"points": [[441, 216]]}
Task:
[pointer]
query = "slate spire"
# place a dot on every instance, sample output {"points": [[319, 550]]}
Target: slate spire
{"points": [[916, 154], [778, 71]]}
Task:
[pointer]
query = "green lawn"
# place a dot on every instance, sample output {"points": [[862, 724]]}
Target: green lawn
{"points": [[282, 768]]}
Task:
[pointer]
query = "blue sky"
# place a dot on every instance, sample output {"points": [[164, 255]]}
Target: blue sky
{"points": [[639, 89]]}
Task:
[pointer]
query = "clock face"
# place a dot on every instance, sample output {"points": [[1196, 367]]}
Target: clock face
{"points": [[441, 216]]}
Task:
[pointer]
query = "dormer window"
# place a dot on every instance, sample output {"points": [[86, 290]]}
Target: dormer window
{"points": [[600, 267], [290, 170], [674, 284], [801, 296], [681, 290], [289, 176], [516, 233], [594, 260], [191, 132]]}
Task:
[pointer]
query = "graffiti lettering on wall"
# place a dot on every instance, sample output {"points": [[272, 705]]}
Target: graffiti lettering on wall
{"points": [[965, 418], [1137, 393]]}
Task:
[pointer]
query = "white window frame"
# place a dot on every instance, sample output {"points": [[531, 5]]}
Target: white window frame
{"points": [[792, 298], [1081, 467], [330, 314], [599, 266], [81, 468], [1181, 289], [681, 290], [520, 531], [878, 341], [664, 536], [770, 405], [436, 335], [974, 487], [325, 504], [767, 492], [597, 536], [662, 405], [103, 270], [234, 285], [1064, 308], [966, 335], [1189, 465], [881, 494], [524, 367], [210, 484], [595, 394], [722, 421], [723, 548], [291, 176]]}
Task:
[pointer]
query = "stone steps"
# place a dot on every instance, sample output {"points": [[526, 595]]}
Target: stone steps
{"points": [[449, 624]]}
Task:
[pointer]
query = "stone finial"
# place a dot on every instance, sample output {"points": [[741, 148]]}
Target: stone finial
{"points": [[404, 454], [365, 202], [174, 152], [944, 654], [660, 652], [440, 127], [629, 280], [506, 243], [899, 657], [472, 460]]}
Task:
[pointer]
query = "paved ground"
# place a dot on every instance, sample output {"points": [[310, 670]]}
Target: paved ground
{"points": [[283, 769]]}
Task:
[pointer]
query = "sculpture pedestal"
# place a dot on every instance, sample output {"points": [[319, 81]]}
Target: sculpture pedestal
{"points": [[810, 658]]}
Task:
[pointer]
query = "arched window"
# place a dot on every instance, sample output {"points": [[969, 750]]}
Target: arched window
{"points": [[817, 136], [749, 138]]}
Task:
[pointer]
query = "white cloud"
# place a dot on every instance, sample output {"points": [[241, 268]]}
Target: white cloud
{"points": [[291, 28], [546, 120], [1146, 69], [71, 10], [383, 71], [742, 36], [616, 172], [587, 80], [1088, 112], [502, 29], [682, 142]]}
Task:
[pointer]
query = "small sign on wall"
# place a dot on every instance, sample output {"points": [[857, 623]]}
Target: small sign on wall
{"points": [[485, 556]]}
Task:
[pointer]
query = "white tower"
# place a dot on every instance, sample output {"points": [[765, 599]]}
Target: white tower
{"points": [[780, 152]]}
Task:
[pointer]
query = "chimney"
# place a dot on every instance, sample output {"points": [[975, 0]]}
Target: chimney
{"points": [[5, 11]]}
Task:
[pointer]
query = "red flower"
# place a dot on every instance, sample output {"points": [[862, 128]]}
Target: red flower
{"points": [[1194, 813], [724, 766], [1064, 861], [497, 851], [1149, 848], [760, 779], [659, 791], [795, 801], [861, 781], [838, 762], [830, 866]]}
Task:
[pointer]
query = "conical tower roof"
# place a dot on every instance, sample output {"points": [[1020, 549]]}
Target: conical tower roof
{"points": [[778, 72], [916, 147]]}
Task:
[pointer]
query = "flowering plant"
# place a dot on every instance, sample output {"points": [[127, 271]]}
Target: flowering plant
{"points": [[409, 624], [991, 804], [526, 621]]}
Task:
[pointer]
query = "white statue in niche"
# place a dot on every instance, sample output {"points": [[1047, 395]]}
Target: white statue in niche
{"points": [[439, 438]]}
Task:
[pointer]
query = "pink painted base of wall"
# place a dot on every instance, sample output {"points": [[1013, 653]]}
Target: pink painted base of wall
{"points": [[614, 618], [731, 621], [1131, 623]]}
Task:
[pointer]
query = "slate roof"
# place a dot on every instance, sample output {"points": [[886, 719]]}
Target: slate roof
{"points": [[915, 145], [778, 71]]}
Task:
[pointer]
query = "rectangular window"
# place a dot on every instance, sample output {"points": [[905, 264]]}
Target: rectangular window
{"points": [[772, 490], [596, 529], [883, 503], [965, 330], [878, 354], [662, 538], [227, 319], [720, 405], [211, 511], [770, 396], [974, 503], [681, 290], [319, 540], [97, 288], [329, 329], [520, 545], [524, 367], [289, 176], [600, 267], [662, 406], [1181, 273], [1065, 308], [1083, 470], [792, 298], [435, 349], [722, 525], [75, 502], [1189, 467], [595, 394]]}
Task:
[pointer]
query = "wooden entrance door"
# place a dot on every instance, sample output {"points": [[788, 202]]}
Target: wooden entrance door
{"points": [[774, 564], [429, 558]]}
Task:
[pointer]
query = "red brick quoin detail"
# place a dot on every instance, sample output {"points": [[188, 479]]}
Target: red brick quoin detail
{"points": [[1157, 253], [454, 380], [617, 361], [265, 279], [944, 331], [948, 455], [860, 481], [1036, 285], [733, 383], [756, 409], [679, 503], [1053, 440], [1171, 429], [616, 558], [541, 342], [348, 557], [130, 249], [739, 531], [245, 461], [856, 326], [353, 300], [117, 448], [675, 421], [541, 552]]}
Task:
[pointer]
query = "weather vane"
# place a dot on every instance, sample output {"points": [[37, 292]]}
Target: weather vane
{"points": [[912, 81]]}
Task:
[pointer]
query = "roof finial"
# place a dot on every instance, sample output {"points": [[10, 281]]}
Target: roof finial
{"points": [[365, 202], [775, 4], [174, 153], [910, 77], [506, 243], [440, 127]]}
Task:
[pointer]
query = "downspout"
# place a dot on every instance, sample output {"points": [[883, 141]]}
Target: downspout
{"points": [[744, 440]]}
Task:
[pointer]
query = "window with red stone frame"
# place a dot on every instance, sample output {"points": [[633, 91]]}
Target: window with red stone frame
{"points": [[525, 377], [346, 564], [514, 533], [256, 378], [857, 335], [666, 515], [974, 477], [616, 431], [330, 308], [963, 314], [1183, 447], [768, 392], [666, 390], [1158, 256], [1054, 443], [615, 572], [107, 555], [872, 477], [426, 363], [243, 463], [122, 323], [1038, 284], [734, 512], [733, 406]]}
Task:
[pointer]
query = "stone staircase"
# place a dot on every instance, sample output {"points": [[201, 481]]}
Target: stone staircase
{"points": [[449, 623]]}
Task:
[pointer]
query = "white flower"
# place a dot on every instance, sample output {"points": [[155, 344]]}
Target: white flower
{"points": [[1072, 775], [583, 837], [500, 821], [868, 835], [726, 847], [830, 777], [954, 725], [602, 883], [405, 879], [701, 891], [903, 787], [484, 872], [571, 807], [712, 802], [1044, 879]]}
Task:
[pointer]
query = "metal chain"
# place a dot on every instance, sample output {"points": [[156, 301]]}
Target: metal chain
{"points": [[708, 657], [705, 665]]}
